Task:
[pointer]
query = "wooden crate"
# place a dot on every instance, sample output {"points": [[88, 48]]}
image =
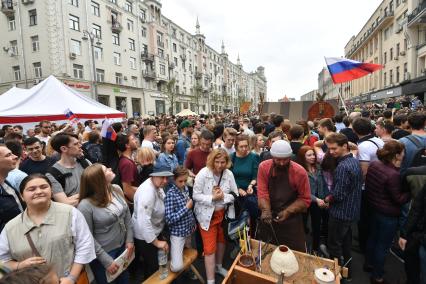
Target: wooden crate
{"points": [[307, 265]]}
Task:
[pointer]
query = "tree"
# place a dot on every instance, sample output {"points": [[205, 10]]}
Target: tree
{"points": [[171, 93], [197, 93]]}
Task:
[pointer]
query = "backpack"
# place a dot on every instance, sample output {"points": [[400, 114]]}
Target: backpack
{"points": [[61, 177], [94, 153], [419, 158]]}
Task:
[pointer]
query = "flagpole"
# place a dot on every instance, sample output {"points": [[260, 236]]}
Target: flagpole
{"points": [[341, 98]]}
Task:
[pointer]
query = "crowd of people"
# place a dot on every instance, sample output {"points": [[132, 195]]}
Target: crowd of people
{"points": [[70, 198]]}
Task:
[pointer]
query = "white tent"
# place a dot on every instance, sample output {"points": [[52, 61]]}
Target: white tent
{"points": [[186, 112], [48, 101]]}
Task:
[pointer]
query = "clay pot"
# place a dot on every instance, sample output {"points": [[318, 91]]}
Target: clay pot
{"points": [[324, 276], [284, 261], [247, 261]]}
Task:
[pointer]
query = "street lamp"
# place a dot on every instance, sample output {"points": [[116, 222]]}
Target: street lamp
{"points": [[91, 36], [208, 78]]}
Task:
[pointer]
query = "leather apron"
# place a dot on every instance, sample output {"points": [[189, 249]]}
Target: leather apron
{"points": [[281, 195]]}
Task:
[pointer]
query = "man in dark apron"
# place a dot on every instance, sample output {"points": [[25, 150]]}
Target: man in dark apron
{"points": [[283, 195]]}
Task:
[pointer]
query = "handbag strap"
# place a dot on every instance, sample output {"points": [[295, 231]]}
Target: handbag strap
{"points": [[31, 243], [220, 178]]}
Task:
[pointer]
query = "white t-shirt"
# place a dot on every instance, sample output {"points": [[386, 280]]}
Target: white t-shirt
{"points": [[367, 150], [43, 139], [147, 144]]}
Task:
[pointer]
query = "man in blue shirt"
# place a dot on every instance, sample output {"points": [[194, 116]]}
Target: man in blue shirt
{"points": [[184, 141], [344, 199]]}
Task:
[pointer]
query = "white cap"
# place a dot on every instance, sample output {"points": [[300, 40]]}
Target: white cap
{"points": [[281, 149]]}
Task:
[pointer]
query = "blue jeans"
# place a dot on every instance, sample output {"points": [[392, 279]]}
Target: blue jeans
{"points": [[99, 270], [382, 232]]}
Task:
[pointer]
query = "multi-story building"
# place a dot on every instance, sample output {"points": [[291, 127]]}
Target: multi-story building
{"points": [[326, 85], [393, 37], [310, 96], [124, 53]]}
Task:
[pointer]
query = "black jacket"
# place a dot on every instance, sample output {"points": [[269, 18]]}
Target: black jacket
{"points": [[416, 222]]}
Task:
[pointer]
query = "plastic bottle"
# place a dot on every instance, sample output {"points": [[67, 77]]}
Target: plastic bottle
{"points": [[162, 263]]}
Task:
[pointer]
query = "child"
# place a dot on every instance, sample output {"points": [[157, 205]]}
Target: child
{"points": [[179, 217]]}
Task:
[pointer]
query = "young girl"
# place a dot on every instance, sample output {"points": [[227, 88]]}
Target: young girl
{"points": [[179, 217], [319, 190]]}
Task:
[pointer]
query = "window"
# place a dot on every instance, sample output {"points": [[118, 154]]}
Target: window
{"points": [[132, 62], [17, 72], [113, 1], [143, 32], [130, 25], [33, 17], [98, 52], [100, 75], [95, 8], [132, 44], [117, 58], [384, 79], [176, 61], [76, 46], [161, 53], [78, 71], [162, 69], [391, 54], [37, 69], [142, 15], [134, 81], [397, 74], [74, 2], [11, 23], [405, 44], [128, 6], [119, 78], [14, 47], [385, 57], [116, 38], [397, 49], [391, 77], [174, 47], [74, 23], [96, 30], [35, 44]]}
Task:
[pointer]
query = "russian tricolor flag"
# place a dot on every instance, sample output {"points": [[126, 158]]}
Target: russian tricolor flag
{"points": [[70, 116], [107, 131], [344, 70]]}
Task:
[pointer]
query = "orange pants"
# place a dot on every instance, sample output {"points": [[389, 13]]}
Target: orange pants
{"points": [[215, 233]]}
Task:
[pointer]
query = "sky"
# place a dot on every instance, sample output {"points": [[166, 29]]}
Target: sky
{"points": [[288, 38]]}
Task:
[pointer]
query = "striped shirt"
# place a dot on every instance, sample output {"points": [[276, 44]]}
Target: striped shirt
{"points": [[346, 191]]}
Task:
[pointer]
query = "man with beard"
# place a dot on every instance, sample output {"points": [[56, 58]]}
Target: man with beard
{"points": [[283, 195], [184, 141]]}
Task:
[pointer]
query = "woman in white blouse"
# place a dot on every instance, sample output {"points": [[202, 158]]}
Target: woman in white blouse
{"points": [[212, 195]]}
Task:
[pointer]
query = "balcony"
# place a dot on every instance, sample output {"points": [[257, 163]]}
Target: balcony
{"points": [[149, 74], [116, 27], [198, 75], [147, 57], [7, 7], [418, 16]]}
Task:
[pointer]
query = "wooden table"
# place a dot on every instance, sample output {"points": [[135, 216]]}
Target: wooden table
{"points": [[307, 264]]}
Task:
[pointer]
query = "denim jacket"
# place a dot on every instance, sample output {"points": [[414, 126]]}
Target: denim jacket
{"points": [[319, 188], [203, 192]]}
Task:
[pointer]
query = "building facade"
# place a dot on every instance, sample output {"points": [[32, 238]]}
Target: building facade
{"points": [[310, 96], [124, 53], [395, 37]]}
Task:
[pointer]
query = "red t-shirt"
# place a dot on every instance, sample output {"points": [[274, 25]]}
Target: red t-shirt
{"points": [[128, 171], [196, 160]]}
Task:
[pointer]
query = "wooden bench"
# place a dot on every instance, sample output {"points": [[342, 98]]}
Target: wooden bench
{"points": [[189, 256]]}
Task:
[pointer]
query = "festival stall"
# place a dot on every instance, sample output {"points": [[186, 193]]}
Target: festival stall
{"points": [[50, 100], [264, 263]]}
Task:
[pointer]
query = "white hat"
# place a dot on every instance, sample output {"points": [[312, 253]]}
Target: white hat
{"points": [[281, 149]]}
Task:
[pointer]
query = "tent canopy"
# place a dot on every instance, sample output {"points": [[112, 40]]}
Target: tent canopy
{"points": [[48, 101], [186, 112]]}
